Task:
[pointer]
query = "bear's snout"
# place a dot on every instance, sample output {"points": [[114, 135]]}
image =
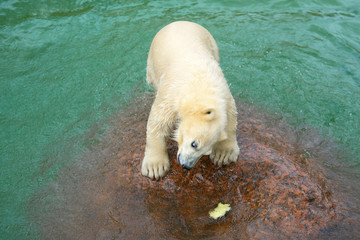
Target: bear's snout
{"points": [[185, 166], [186, 162], [178, 157]]}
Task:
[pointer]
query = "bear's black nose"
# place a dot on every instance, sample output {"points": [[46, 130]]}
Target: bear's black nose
{"points": [[186, 166]]}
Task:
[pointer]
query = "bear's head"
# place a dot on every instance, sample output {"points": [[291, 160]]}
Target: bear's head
{"points": [[197, 132]]}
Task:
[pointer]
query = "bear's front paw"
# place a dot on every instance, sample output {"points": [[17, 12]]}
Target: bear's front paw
{"points": [[224, 155], [155, 167]]}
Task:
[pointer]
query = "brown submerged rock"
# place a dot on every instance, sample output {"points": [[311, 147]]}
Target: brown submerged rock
{"points": [[276, 190], [271, 189]]}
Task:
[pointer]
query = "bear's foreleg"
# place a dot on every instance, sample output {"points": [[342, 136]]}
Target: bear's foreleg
{"points": [[227, 151], [156, 160]]}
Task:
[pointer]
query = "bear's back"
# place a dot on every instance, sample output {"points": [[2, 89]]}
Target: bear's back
{"points": [[178, 42]]}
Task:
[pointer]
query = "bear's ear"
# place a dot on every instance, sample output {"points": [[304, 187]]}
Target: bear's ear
{"points": [[209, 113]]}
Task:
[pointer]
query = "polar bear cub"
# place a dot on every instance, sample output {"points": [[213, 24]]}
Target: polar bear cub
{"points": [[192, 97]]}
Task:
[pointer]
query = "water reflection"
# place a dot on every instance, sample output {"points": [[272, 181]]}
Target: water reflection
{"points": [[279, 188]]}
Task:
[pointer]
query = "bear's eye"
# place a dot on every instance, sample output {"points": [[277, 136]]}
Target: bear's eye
{"points": [[194, 144]]}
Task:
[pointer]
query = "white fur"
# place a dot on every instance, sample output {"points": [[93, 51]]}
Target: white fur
{"points": [[192, 93]]}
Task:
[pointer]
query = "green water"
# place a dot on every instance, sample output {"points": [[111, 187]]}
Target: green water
{"points": [[68, 66]]}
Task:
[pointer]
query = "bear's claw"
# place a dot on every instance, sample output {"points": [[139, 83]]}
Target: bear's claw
{"points": [[224, 156], [155, 170]]}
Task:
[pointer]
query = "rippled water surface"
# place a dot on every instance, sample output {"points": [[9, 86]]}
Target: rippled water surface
{"points": [[67, 67]]}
